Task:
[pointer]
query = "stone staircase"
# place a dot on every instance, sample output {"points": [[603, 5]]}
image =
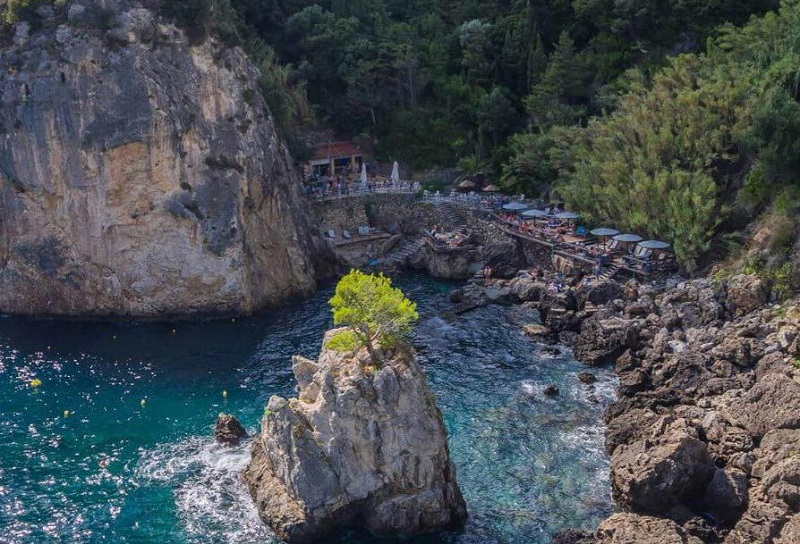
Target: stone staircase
{"points": [[609, 272], [403, 251], [452, 215]]}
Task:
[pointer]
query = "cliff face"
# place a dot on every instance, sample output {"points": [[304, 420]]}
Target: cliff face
{"points": [[141, 175], [360, 446]]}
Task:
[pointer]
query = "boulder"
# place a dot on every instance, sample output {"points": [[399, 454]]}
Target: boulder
{"points": [[727, 492], [551, 390], [366, 449], [537, 331], [604, 292], [602, 341], [627, 528], [228, 430], [745, 293], [790, 534], [586, 377], [658, 473], [772, 403]]}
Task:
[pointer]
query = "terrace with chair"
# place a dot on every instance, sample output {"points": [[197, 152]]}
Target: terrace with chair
{"points": [[605, 250]]}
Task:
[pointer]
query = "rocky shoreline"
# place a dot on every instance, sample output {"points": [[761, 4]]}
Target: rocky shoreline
{"points": [[705, 434]]}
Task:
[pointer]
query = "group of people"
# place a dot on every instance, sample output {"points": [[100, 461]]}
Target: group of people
{"points": [[450, 239]]}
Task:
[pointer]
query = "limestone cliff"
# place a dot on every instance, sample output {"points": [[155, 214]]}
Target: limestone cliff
{"points": [[142, 175], [360, 446]]}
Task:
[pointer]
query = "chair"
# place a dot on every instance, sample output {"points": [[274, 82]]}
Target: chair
{"points": [[330, 234], [613, 246], [363, 231], [346, 234], [581, 231]]}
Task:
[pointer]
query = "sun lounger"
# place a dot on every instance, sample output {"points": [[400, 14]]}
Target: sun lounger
{"points": [[330, 234], [346, 235]]}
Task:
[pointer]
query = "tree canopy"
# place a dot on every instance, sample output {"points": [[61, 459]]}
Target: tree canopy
{"points": [[377, 313]]}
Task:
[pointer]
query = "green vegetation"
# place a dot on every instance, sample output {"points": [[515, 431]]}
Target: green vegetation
{"points": [[706, 138], [662, 117], [436, 81], [377, 313], [344, 341]]}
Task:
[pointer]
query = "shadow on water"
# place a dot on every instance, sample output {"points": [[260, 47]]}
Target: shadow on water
{"points": [[134, 460]]}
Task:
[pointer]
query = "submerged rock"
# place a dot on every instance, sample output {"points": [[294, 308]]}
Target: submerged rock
{"points": [[228, 430], [362, 447], [551, 390]]}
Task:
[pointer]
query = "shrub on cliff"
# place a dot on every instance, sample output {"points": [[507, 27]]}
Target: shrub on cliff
{"points": [[376, 312]]}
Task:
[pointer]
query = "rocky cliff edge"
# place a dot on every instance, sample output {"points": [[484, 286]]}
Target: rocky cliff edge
{"points": [[142, 175]]}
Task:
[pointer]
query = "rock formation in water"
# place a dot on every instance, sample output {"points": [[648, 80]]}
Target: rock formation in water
{"points": [[141, 174], [228, 430], [360, 447]]}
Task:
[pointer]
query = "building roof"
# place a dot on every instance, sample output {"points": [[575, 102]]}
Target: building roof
{"points": [[336, 150]]}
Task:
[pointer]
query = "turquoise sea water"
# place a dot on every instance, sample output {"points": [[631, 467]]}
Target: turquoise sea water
{"points": [[115, 470]]}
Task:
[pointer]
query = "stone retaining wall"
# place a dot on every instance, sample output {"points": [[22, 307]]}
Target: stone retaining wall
{"points": [[394, 213]]}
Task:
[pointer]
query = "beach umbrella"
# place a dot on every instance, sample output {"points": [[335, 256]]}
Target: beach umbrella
{"points": [[628, 238], [515, 206], [364, 174], [653, 244], [466, 184], [604, 232], [395, 172], [567, 215], [534, 213], [491, 188]]}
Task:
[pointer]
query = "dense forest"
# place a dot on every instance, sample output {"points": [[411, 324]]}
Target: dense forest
{"points": [[675, 118]]}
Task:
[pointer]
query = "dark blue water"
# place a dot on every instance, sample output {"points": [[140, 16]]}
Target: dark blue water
{"points": [[120, 470]]}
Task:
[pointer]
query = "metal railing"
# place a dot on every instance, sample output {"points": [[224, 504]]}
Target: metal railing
{"points": [[338, 194]]}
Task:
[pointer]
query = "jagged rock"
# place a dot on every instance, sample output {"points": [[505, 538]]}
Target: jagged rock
{"points": [[727, 492], [604, 292], [776, 445], [636, 529], [790, 534], [367, 449], [761, 522], [782, 483], [450, 265], [602, 341], [656, 474], [503, 258], [772, 403], [586, 377], [527, 289], [228, 430], [551, 390], [540, 332], [144, 180], [628, 427], [746, 293]]}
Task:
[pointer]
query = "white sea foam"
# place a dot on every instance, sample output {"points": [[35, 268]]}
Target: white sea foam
{"points": [[212, 501]]}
